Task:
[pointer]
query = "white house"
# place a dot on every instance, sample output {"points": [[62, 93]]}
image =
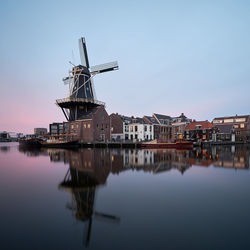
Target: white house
{"points": [[141, 132]]}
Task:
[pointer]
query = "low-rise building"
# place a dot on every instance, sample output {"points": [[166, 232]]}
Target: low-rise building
{"points": [[141, 131], [119, 127], [40, 131], [56, 128], [93, 127], [199, 131], [228, 125], [179, 124], [4, 136], [162, 129]]}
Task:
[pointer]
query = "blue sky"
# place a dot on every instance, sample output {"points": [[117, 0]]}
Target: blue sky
{"points": [[174, 56]]}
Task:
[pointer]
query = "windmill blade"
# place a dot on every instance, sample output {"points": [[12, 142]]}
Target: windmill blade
{"points": [[68, 80], [83, 52], [107, 217], [104, 67]]}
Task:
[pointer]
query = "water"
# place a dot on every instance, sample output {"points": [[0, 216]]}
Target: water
{"points": [[124, 199]]}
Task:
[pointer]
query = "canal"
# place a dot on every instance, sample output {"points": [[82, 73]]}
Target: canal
{"points": [[124, 199]]}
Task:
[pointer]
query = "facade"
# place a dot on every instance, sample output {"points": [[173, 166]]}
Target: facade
{"points": [[141, 131], [199, 131], [40, 131], [56, 128], [162, 119], [119, 127], [178, 126], [94, 127], [162, 132], [4, 136], [238, 125]]}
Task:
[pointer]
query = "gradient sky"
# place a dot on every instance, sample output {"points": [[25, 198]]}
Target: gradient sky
{"points": [[174, 56]]}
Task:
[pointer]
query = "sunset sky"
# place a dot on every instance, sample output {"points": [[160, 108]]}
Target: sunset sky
{"points": [[174, 56]]}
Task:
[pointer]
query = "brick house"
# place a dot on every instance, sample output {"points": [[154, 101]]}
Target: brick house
{"points": [[120, 127], [179, 124], [238, 124], [93, 127], [199, 131], [162, 129]]}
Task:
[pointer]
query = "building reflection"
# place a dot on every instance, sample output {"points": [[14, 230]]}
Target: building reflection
{"points": [[101, 162], [89, 169]]}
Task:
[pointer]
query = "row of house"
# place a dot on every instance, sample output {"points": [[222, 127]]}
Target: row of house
{"points": [[97, 125]]}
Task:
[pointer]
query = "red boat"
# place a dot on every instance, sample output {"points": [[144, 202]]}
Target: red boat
{"points": [[177, 145]]}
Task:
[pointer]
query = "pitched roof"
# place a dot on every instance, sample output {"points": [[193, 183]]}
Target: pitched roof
{"points": [[203, 124], [150, 119], [225, 129], [89, 113], [159, 116], [231, 117]]}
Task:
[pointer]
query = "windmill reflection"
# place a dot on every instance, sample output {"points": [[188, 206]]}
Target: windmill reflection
{"points": [[81, 180]]}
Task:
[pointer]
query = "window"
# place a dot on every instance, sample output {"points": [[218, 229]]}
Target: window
{"points": [[77, 126], [97, 125], [242, 125], [88, 125], [150, 128], [217, 121], [72, 126], [84, 125], [236, 126], [112, 129], [145, 128], [136, 129], [237, 132], [228, 120], [240, 119], [131, 128]]}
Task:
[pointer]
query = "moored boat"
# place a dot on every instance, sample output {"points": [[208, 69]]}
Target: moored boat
{"points": [[59, 143], [177, 145], [31, 142]]}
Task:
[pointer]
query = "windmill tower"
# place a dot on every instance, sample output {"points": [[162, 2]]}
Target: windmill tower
{"points": [[82, 97]]}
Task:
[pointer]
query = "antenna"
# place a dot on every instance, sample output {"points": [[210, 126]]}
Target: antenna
{"points": [[83, 52]]}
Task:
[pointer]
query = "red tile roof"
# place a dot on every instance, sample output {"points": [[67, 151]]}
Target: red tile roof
{"points": [[204, 125]]}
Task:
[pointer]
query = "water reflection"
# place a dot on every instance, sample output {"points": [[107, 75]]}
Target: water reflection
{"points": [[89, 169], [101, 162]]}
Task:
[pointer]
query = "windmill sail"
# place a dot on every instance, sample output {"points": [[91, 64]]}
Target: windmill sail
{"points": [[83, 52]]}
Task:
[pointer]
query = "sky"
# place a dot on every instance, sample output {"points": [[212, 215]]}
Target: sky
{"points": [[174, 57]]}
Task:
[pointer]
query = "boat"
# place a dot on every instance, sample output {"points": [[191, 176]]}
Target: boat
{"points": [[59, 143], [31, 142], [177, 145]]}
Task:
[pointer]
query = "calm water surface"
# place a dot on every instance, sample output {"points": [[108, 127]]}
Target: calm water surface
{"points": [[124, 199]]}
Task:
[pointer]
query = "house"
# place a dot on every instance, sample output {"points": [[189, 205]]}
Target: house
{"points": [[199, 131], [94, 126], [119, 127], [179, 124], [40, 131], [56, 128], [162, 119], [139, 130], [162, 129], [238, 124]]}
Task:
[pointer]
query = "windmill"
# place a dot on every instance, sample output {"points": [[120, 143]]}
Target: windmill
{"points": [[82, 96]]}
